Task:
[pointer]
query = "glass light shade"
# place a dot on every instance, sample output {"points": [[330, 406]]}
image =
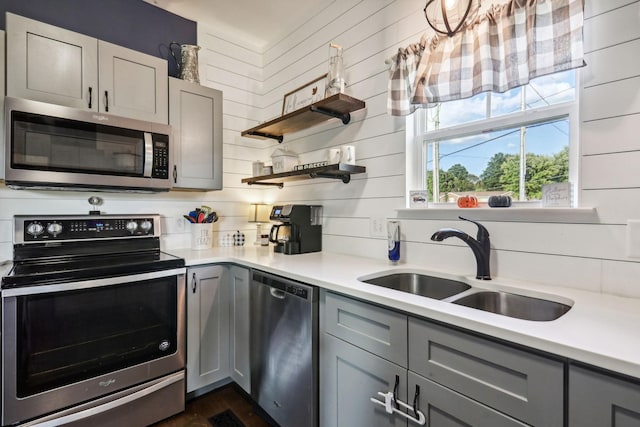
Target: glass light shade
{"points": [[259, 212]]}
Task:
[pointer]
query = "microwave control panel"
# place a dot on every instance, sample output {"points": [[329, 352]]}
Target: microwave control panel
{"points": [[160, 158]]}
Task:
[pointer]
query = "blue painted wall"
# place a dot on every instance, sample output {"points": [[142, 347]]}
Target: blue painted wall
{"points": [[130, 23]]}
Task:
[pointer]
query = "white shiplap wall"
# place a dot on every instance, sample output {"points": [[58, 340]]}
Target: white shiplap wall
{"points": [[571, 253], [587, 256]]}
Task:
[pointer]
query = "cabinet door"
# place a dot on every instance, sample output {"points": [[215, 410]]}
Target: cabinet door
{"points": [[444, 407], [378, 330], [195, 113], [207, 326], [599, 400], [132, 84], [239, 346], [349, 378], [2, 132], [527, 386], [51, 64]]}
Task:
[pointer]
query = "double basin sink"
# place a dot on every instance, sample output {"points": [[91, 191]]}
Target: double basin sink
{"points": [[460, 293]]}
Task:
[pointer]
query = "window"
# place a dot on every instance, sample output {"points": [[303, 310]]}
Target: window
{"points": [[500, 144]]}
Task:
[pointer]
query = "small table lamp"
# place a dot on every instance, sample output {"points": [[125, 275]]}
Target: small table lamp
{"points": [[259, 213]]}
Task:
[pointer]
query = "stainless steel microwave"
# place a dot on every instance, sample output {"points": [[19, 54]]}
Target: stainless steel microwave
{"points": [[54, 147]]}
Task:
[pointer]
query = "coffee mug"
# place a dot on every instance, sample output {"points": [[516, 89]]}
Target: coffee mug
{"points": [[348, 154], [333, 156]]}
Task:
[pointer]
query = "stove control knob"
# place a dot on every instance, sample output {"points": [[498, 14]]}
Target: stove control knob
{"points": [[146, 226], [35, 229], [132, 226], [54, 228]]}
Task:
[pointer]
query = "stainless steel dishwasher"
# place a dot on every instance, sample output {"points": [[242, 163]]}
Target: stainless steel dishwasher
{"points": [[284, 344]]}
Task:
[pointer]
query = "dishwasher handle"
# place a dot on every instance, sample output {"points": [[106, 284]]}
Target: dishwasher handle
{"points": [[277, 293]]}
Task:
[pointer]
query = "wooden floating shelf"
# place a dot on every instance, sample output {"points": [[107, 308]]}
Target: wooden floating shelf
{"points": [[336, 106], [341, 171]]}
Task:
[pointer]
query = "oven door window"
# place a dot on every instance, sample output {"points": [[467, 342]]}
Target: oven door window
{"points": [[63, 145], [65, 337]]}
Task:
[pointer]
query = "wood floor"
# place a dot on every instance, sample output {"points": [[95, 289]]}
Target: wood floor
{"points": [[199, 410]]}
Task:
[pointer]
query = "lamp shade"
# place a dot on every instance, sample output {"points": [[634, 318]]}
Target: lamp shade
{"points": [[449, 16], [259, 212]]}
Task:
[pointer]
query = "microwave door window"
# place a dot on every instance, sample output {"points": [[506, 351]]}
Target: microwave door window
{"points": [[62, 145]]}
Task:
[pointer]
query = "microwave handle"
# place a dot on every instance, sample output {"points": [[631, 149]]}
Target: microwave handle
{"points": [[148, 155]]}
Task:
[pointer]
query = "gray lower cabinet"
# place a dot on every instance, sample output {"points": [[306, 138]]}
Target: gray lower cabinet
{"points": [[239, 279], [349, 378], [363, 351], [597, 399], [207, 326], [452, 377], [195, 113], [2, 91], [444, 407], [525, 386]]}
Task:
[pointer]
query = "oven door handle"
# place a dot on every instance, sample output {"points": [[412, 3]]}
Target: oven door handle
{"points": [[87, 413], [91, 283]]}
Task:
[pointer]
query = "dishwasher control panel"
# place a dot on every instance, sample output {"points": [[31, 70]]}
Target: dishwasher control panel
{"points": [[297, 290]]}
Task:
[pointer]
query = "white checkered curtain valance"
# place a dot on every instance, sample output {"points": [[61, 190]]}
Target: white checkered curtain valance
{"points": [[501, 49]]}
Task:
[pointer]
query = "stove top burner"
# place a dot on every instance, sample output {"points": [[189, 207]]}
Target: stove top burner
{"points": [[33, 273]]}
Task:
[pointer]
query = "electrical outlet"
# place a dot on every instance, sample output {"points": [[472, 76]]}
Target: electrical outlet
{"points": [[179, 225], [378, 227], [633, 238]]}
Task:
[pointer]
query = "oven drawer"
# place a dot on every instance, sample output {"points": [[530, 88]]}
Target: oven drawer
{"points": [[140, 406]]}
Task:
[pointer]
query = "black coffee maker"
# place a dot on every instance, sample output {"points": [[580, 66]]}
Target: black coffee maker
{"points": [[299, 231]]}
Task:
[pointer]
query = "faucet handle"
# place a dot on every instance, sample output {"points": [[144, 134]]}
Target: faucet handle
{"points": [[483, 233]]}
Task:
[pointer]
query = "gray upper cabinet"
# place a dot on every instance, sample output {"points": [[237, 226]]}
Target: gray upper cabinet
{"points": [[597, 399], [132, 84], [50, 64], [195, 113]]}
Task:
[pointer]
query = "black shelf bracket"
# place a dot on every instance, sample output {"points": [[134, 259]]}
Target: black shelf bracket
{"points": [[271, 184], [346, 178], [345, 117], [278, 138]]}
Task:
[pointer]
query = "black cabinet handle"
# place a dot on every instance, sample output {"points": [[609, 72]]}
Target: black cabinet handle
{"points": [[193, 282], [395, 392], [90, 96], [415, 401], [106, 101], [175, 174]]}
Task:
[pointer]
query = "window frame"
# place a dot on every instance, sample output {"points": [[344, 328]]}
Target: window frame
{"points": [[418, 139]]}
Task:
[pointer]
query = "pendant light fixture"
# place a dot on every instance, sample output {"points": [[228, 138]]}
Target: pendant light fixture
{"points": [[449, 16]]}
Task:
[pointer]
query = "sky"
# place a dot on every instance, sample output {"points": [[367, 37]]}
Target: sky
{"points": [[540, 139]]}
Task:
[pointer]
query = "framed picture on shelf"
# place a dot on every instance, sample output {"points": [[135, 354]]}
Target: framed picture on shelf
{"points": [[304, 95]]}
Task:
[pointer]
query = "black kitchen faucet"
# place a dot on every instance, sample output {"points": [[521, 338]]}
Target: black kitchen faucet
{"points": [[481, 246]]}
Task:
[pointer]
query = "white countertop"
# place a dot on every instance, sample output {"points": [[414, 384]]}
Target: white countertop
{"points": [[601, 330]]}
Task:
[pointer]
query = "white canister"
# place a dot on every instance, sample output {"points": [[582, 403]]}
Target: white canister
{"points": [[333, 156], [256, 168], [201, 236], [348, 154]]}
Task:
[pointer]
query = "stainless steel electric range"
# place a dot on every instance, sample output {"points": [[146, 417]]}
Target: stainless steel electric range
{"points": [[93, 323]]}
